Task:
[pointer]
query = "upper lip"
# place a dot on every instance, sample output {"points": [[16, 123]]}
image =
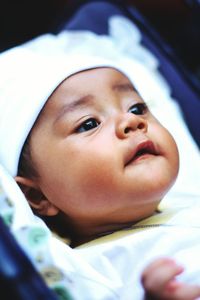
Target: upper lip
{"points": [[145, 147]]}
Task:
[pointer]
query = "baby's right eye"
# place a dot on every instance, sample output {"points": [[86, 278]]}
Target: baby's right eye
{"points": [[89, 124]]}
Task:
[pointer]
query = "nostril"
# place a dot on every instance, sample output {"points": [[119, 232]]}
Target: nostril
{"points": [[141, 126], [126, 130]]}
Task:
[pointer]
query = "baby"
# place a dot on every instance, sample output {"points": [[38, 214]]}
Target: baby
{"points": [[89, 155], [96, 157]]}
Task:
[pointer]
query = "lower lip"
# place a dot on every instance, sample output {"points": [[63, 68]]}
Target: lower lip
{"points": [[141, 157]]}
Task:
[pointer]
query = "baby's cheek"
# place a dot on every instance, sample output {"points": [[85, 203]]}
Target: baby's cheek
{"points": [[167, 146]]}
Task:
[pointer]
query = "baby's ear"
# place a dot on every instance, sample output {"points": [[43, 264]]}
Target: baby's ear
{"points": [[37, 200]]}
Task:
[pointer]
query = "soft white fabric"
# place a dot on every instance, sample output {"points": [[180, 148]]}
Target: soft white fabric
{"points": [[110, 268], [124, 258]]}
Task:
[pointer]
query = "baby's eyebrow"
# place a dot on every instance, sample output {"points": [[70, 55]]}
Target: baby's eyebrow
{"points": [[124, 87], [88, 99], [70, 107]]}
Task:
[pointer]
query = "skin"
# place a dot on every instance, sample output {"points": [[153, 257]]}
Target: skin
{"points": [[160, 282], [84, 147]]}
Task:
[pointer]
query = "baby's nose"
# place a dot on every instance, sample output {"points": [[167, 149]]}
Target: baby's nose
{"points": [[129, 123]]}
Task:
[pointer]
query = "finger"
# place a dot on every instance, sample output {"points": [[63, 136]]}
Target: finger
{"points": [[181, 291], [158, 274], [157, 263], [176, 291]]}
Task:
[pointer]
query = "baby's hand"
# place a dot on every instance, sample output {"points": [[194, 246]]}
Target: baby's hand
{"points": [[159, 282]]}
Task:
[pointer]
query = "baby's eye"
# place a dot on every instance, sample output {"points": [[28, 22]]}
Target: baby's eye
{"points": [[88, 125], [138, 109]]}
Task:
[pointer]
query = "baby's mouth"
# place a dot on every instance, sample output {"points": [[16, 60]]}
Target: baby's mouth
{"points": [[142, 151]]}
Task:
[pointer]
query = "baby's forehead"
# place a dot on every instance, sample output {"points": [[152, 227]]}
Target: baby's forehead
{"points": [[81, 90], [90, 78]]}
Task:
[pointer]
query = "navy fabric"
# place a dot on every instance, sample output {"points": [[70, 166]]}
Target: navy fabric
{"points": [[94, 16]]}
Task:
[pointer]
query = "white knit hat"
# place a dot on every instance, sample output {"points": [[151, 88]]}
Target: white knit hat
{"points": [[27, 79]]}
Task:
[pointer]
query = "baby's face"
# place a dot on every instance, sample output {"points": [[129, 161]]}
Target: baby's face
{"points": [[102, 157]]}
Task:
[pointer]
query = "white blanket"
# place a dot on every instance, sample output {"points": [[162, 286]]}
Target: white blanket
{"points": [[110, 268]]}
